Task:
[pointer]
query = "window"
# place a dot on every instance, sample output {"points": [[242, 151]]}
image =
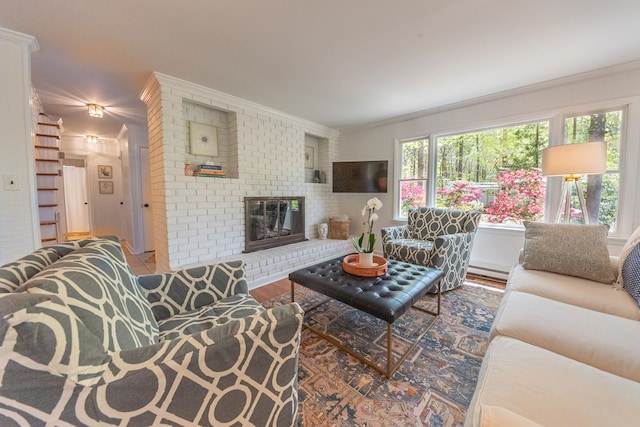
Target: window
{"points": [[414, 174], [496, 171], [600, 191]]}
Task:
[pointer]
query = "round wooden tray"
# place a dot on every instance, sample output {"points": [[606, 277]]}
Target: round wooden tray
{"points": [[350, 265]]}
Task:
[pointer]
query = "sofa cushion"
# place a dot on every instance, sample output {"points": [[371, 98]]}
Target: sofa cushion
{"points": [[607, 342], [629, 266], [570, 249], [96, 283], [209, 316], [550, 389], [573, 290]]}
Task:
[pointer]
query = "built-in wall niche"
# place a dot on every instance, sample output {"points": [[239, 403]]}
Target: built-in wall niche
{"points": [[316, 159], [217, 127]]}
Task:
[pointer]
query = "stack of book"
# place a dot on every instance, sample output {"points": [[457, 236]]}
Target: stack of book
{"points": [[211, 170]]}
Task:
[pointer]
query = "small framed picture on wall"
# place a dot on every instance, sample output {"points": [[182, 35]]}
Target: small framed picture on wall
{"points": [[309, 159], [105, 187], [105, 172], [204, 139]]}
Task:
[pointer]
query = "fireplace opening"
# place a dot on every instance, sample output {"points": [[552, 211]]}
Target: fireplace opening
{"points": [[273, 221]]}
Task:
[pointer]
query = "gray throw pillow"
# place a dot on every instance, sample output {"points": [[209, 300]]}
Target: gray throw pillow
{"points": [[569, 249]]}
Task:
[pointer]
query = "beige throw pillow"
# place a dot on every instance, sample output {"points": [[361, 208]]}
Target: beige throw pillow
{"points": [[569, 249]]}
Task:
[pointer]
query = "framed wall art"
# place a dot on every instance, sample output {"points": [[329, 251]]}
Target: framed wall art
{"points": [[105, 172], [204, 139], [308, 157], [105, 187]]}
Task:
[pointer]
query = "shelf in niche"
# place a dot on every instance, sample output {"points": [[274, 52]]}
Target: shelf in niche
{"points": [[316, 158], [226, 135]]}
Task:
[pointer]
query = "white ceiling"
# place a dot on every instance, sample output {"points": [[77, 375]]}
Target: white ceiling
{"points": [[342, 63]]}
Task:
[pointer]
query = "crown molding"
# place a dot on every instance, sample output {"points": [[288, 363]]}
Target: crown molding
{"points": [[24, 39]]}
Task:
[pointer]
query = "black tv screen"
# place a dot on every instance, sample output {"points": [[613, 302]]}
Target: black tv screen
{"points": [[360, 177]]}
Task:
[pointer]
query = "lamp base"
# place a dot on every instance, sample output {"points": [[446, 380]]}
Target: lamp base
{"points": [[566, 213]]}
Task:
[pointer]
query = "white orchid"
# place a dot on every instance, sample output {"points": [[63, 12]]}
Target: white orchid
{"points": [[369, 212], [374, 204]]}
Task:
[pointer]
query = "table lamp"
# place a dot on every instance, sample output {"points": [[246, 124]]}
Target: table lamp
{"points": [[571, 161]]}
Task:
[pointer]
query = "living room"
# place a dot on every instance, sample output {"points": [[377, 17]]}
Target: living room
{"points": [[496, 247], [262, 147]]}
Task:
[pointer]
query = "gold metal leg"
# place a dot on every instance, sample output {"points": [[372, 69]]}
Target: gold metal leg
{"points": [[391, 367]]}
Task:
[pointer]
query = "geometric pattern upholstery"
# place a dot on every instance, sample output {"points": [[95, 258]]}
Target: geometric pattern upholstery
{"points": [[631, 273], [435, 237], [223, 360]]}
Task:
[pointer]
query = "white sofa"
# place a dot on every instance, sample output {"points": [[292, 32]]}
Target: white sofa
{"points": [[564, 351]]}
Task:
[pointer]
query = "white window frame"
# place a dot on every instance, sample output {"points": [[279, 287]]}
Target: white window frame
{"points": [[630, 132]]}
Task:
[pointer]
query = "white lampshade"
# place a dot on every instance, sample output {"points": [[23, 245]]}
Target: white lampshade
{"points": [[587, 158]]}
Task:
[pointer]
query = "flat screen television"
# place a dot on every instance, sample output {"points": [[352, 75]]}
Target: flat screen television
{"points": [[360, 177]]}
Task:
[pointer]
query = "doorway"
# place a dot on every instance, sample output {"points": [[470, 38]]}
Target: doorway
{"points": [[76, 198]]}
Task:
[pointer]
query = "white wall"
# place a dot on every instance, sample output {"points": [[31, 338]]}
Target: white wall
{"points": [[198, 220], [497, 249], [19, 231]]}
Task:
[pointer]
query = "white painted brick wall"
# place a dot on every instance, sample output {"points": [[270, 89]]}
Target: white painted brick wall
{"points": [[200, 220]]}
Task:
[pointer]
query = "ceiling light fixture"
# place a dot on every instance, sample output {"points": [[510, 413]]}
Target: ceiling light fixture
{"points": [[95, 110], [91, 138]]}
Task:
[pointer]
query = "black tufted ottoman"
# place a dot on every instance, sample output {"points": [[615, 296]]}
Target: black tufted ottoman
{"points": [[386, 297]]}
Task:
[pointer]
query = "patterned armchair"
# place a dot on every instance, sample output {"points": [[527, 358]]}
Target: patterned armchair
{"points": [[83, 341], [434, 237]]}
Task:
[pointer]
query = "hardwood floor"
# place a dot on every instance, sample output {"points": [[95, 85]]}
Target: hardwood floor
{"points": [[266, 292]]}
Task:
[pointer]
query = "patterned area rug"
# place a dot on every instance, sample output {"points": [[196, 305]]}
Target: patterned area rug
{"points": [[433, 387]]}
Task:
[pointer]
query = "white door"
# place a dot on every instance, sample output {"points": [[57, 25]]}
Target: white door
{"points": [[147, 213], [76, 199]]}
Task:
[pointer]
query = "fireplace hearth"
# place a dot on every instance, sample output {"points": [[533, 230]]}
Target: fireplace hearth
{"points": [[273, 221]]}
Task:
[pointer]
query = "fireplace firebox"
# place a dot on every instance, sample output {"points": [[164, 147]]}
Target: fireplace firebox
{"points": [[273, 221]]}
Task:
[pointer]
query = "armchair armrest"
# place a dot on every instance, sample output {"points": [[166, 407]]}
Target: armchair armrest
{"points": [[460, 243], [191, 288], [208, 378], [396, 232]]}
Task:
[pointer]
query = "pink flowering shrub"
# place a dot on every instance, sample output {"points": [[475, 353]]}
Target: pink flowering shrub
{"points": [[412, 195], [461, 195], [520, 198]]}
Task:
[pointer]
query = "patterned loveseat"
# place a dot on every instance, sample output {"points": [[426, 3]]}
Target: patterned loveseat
{"points": [[434, 237], [83, 341]]}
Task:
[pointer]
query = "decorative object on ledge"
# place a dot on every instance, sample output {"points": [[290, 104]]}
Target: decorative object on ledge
{"points": [[204, 139], [351, 265], [339, 227], [210, 170], [323, 230]]}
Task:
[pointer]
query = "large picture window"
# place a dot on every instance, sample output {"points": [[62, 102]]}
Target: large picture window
{"points": [[496, 171]]}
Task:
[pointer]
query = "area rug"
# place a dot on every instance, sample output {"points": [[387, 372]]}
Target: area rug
{"points": [[433, 387]]}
